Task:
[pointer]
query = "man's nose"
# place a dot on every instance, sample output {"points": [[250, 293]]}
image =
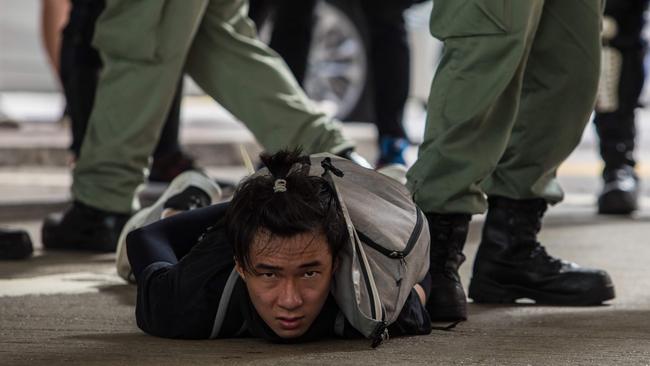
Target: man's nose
{"points": [[290, 297]]}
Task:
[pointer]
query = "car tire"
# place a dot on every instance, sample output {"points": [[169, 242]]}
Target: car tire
{"points": [[337, 75]]}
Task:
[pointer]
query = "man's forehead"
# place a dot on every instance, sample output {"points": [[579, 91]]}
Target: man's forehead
{"points": [[294, 250]]}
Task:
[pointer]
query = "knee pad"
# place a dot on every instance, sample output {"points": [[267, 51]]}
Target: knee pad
{"points": [[610, 71]]}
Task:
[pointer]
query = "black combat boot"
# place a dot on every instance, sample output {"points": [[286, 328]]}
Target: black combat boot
{"points": [[511, 264], [620, 194], [617, 131], [83, 227], [447, 301], [15, 244]]}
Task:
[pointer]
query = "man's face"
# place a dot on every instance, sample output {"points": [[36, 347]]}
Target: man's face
{"points": [[292, 281]]}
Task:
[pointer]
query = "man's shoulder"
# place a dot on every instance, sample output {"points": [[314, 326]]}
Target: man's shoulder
{"points": [[214, 240]]}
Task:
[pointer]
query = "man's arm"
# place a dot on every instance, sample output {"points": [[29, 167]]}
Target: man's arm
{"points": [[181, 266], [170, 239]]}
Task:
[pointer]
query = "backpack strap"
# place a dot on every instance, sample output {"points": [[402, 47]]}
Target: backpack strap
{"points": [[223, 303], [339, 324]]}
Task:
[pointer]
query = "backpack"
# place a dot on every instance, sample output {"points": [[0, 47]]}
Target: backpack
{"points": [[388, 252]]}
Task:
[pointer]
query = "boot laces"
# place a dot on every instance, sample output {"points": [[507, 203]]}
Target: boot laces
{"points": [[536, 249], [527, 229], [539, 251]]}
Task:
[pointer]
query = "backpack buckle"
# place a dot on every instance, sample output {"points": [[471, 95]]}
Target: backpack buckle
{"points": [[328, 166]]}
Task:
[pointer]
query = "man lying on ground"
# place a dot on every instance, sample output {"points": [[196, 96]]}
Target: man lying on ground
{"points": [[282, 233]]}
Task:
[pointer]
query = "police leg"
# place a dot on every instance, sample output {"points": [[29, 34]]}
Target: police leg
{"points": [[255, 85], [143, 45], [472, 107], [559, 90]]}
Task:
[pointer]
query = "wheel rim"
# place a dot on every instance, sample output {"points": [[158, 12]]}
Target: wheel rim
{"points": [[336, 73]]}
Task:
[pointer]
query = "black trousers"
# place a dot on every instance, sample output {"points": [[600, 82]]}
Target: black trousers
{"points": [[293, 29], [390, 61], [616, 129], [389, 53], [80, 67]]}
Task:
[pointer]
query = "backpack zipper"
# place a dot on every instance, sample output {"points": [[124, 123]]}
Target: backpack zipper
{"points": [[379, 335], [366, 278], [397, 254]]}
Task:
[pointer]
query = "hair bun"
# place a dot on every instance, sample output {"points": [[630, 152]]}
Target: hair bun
{"points": [[279, 186]]}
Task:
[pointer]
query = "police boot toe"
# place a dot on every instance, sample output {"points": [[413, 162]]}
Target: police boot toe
{"points": [[84, 228], [15, 244], [447, 301], [544, 280], [620, 192]]}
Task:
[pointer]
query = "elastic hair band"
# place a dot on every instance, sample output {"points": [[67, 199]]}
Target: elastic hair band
{"points": [[280, 185]]}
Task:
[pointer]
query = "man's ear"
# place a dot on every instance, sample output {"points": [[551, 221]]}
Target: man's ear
{"points": [[240, 270]]}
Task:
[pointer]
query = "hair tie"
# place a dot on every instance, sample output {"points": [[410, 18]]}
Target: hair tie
{"points": [[280, 185]]}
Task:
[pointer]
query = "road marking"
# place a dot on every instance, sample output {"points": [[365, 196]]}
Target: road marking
{"points": [[593, 169], [584, 199], [64, 283]]}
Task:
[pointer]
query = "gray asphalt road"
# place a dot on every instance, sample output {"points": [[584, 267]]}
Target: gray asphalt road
{"points": [[72, 309]]}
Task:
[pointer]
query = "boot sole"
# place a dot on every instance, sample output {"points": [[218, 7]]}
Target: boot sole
{"points": [[617, 204], [448, 313], [490, 292]]}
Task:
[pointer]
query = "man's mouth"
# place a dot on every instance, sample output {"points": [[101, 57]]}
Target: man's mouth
{"points": [[290, 323]]}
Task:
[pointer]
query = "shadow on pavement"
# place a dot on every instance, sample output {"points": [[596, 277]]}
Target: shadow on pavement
{"points": [[142, 349], [55, 261], [571, 220], [124, 293]]}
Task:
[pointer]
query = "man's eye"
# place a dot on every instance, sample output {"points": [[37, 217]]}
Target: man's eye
{"points": [[310, 274], [267, 274]]}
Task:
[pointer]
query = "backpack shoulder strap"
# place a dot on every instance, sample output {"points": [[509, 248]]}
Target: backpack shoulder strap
{"points": [[223, 303]]}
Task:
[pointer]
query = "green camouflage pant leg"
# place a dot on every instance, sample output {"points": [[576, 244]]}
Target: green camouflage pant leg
{"points": [[558, 97], [145, 46], [479, 98], [255, 85], [143, 61]]}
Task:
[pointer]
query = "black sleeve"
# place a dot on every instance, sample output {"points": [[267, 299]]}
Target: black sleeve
{"points": [[413, 319], [179, 298], [170, 239]]}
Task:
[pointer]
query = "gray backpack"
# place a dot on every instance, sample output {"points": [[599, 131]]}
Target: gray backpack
{"points": [[387, 255], [389, 248]]}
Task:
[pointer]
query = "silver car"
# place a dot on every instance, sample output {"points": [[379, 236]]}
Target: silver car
{"points": [[336, 76]]}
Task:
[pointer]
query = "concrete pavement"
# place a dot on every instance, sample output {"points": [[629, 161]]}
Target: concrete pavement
{"points": [[71, 308]]}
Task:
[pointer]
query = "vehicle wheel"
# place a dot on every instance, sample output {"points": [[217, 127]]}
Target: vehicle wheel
{"points": [[337, 71]]}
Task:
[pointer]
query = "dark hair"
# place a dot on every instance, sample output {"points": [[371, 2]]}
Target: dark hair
{"points": [[308, 204]]}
